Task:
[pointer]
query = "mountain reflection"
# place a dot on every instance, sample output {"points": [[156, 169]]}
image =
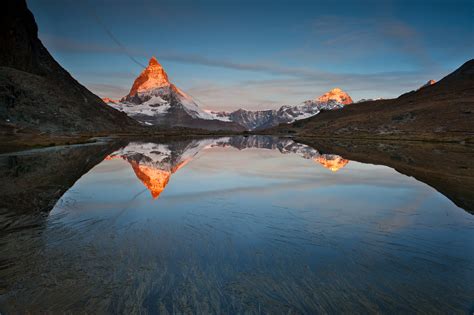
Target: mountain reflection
{"points": [[154, 163], [240, 232]]}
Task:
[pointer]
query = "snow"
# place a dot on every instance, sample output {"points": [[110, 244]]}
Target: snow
{"points": [[191, 107], [222, 116], [305, 115], [152, 93], [149, 108]]}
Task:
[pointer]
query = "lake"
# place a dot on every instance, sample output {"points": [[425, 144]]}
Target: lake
{"points": [[253, 224]]}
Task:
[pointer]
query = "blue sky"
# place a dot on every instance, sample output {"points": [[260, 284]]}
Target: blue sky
{"points": [[259, 54]]}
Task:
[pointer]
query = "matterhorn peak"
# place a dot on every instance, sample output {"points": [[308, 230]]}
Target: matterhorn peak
{"points": [[152, 77], [337, 95], [153, 62]]}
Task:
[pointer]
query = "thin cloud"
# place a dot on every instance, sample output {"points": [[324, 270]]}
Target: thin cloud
{"points": [[74, 46], [294, 85], [123, 49]]}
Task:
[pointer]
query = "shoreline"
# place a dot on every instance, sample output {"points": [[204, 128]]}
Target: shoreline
{"points": [[28, 141]]}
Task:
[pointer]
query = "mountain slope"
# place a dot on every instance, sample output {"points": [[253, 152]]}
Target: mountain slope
{"points": [[36, 93], [443, 111], [153, 100]]}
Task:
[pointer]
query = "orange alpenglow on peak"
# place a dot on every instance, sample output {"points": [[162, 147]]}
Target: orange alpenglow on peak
{"points": [[153, 76], [334, 163], [429, 83], [337, 95], [153, 61]]}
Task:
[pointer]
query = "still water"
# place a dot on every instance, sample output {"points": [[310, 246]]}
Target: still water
{"points": [[237, 225]]}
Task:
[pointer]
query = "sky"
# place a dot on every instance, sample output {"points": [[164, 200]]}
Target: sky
{"points": [[231, 54]]}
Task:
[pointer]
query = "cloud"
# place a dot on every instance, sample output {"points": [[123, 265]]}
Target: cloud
{"points": [[74, 46], [408, 40], [355, 40], [265, 94]]}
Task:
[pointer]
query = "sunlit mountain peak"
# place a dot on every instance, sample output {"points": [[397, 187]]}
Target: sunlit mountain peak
{"points": [[152, 77], [337, 95], [429, 83]]}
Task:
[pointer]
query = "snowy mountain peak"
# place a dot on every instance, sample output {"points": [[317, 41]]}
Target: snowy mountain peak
{"points": [[153, 62], [154, 100], [337, 95], [154, 76]]}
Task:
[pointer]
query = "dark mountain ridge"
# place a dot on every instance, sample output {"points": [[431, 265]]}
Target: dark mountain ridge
{"points": [[36, 93]]}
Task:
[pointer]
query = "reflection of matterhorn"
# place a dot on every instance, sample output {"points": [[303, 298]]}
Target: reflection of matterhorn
{"points": [[154, 163]]}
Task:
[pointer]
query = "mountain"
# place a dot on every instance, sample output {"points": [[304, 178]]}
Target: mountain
{"points": [[430, 82], [257, 120], [336, 95], [439, 112], [36, 94], [153, 100]]}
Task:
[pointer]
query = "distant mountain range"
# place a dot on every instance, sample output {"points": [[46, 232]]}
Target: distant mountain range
{"points": [[153, 100], [437, 111], [262, 119]]}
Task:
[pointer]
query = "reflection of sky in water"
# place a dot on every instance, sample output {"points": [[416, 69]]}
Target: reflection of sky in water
{"points": [[236, 216]]}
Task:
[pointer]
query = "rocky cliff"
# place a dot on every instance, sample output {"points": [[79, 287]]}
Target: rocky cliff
{"points": [[36, 93]]}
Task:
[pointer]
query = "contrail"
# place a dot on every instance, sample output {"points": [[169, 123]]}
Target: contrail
{"points": [[93, 14]]}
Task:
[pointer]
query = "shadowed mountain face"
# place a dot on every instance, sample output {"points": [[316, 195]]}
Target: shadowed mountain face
{"points": [[36, 93], [443, 111]]}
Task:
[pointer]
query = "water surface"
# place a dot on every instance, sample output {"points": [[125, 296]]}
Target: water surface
{"points": [[234, 225]]}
